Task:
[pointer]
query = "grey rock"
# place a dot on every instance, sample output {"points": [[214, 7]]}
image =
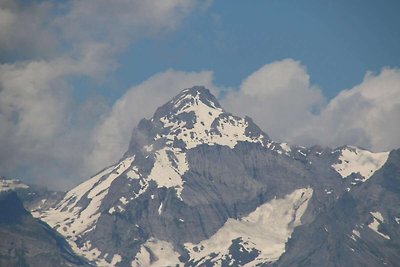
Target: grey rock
{"points": [[25, 241]]}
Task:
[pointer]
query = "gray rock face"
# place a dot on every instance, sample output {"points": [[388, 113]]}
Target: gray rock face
{"points": [[199, 186], [361, 228], [26, 241]]}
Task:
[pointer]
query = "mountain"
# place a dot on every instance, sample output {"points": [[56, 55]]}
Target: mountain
{"points": [[199, 186], [33, 197], [26, 241], [361, 228]]}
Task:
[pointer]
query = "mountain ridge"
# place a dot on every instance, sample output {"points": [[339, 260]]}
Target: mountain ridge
{"points": [[191, 171]]}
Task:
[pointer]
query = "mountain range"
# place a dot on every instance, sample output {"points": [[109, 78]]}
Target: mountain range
{"points": [[199, 186]]}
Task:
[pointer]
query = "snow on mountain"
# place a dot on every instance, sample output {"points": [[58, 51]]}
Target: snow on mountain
{"points": [[72, 219], [169, 166], [156, 253], [193, 117], [356, 160], [264, 231], [202, 186], [374, 225], [197, 118]]}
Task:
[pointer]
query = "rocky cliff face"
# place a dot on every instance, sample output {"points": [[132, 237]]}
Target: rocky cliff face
{"points": [[199, 186], [361, 228], [26, 241]]}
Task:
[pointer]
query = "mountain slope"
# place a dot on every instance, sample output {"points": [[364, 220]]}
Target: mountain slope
{"points": [[199, 186], [26, 241], [360, 229], [33, 197]]}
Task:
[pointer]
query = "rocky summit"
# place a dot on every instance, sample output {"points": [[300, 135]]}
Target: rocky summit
{"points": [[199, 186]]}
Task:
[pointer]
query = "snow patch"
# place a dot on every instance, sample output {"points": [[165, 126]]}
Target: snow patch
{"points": [[302, 153], [374, 225], [267, 230], [355, 160], [116, 259], [167, 171], [328, 192], [355, 235], [286, 148], [160, 209], [156, 253], [123, 200], [72, 220], [89, 252], [212, 125]]}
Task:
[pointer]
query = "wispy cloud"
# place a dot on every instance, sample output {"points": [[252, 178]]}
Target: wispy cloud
{"points": [[366, 115], [43, 44]]}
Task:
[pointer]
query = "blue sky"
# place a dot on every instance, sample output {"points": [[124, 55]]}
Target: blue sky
{"points": [[338, 41], [77, 76]]}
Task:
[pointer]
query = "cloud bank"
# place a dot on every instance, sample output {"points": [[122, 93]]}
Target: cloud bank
{"points": [[48, 137], [366, 115], [45, 135], [280, 98]]}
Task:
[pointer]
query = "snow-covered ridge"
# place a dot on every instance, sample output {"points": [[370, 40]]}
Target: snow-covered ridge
{"points": [[195, 119], [266, 230], [356, 160], [72, 220], [6, 185]]}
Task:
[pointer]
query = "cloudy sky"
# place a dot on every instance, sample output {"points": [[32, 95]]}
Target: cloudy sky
{"points": [[76, 76]]}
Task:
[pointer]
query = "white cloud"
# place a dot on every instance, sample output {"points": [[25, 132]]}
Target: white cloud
{"points": [[40, 129], [112, 136], [25, 31], [121, 20], [366, 115], [48, 43], [278, 96], [41, 29]]}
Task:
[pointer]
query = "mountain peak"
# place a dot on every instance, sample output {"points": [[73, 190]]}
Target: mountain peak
{"points": [[195, 117], [189, 99], [198, 93]]}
